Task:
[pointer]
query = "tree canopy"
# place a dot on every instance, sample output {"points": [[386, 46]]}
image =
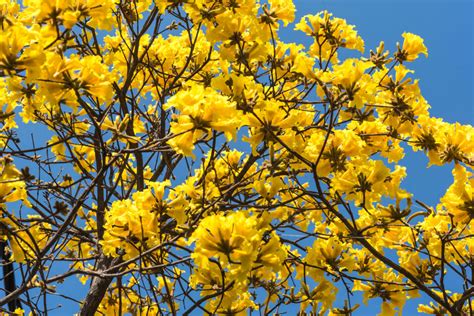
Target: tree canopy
{"points": [[187, 160]]}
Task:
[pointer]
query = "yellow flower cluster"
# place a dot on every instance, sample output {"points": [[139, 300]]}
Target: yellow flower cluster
{"points": [[133, 226], [12, 188], [443, 142], [329, 34], [459, 198], [200, 111], [231, 251]]}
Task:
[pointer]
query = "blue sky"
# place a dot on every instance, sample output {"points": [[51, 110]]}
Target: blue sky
{"points": [[447, 27]]}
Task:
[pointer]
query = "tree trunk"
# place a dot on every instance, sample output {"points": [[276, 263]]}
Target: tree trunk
{"points": [[98, 288]]}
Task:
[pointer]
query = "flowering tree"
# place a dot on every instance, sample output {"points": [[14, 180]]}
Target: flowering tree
{"points": [[187, 160]]}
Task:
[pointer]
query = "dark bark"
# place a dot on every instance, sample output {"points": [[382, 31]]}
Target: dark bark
{"points": [[8, 277], [98, 288]]}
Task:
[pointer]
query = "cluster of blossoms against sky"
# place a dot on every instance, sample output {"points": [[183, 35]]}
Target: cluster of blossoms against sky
{"points": [[195, 162]]}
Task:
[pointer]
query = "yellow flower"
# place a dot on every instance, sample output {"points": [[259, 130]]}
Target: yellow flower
{"points": [[329, 35], [459, 198], [201, 110], [283, 10], [412, 46], [431, 309], [70, 18], [236, 241]]}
